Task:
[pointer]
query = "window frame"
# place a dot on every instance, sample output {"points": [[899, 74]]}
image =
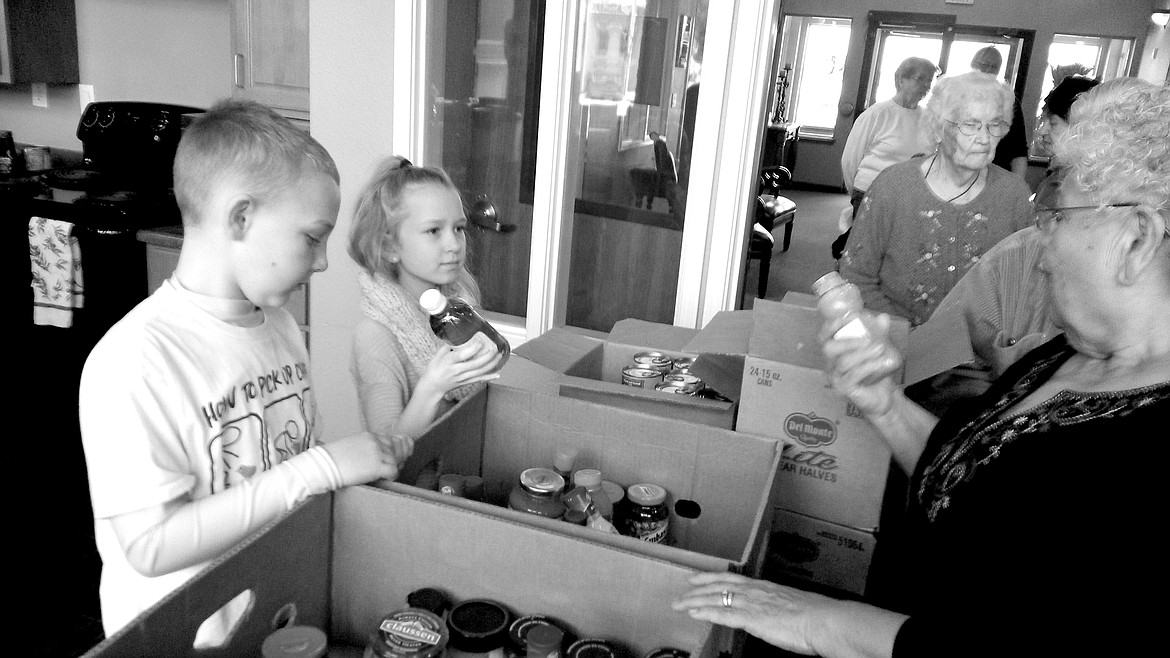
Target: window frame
{"points": [[796, 74]]}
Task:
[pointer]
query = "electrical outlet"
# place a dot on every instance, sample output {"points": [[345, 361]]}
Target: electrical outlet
{"points": [[40, 94], [85, 95]]}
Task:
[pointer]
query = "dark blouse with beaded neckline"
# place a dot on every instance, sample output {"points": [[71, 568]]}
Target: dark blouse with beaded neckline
{"points": [[1031, 534]]}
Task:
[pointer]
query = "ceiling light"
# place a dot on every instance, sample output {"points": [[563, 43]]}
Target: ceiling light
{"points": [[1160, 18]]}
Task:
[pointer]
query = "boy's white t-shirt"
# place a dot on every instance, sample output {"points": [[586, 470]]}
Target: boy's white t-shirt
{"points": [[176, 402]]}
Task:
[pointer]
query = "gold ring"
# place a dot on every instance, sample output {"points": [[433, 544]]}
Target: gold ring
{"points": [[727, 597]]}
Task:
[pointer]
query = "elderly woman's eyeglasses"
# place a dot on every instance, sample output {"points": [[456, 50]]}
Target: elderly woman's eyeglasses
{"points": [[971, 128], [1047, 218]]}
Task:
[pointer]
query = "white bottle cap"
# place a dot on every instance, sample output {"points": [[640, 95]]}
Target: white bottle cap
{"points": [[432, 301], [826, 282], [587, 477]]}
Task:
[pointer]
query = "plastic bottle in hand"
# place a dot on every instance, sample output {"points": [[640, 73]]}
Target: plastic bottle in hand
{"points": [[839, 299], [578, 499], [455, 321]]}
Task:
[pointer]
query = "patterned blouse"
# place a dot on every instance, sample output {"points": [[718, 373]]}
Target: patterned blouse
{"points": [[1017, 522], [908, 247]]}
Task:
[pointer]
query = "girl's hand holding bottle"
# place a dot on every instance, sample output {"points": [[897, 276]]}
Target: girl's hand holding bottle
{"points": [[453, 366]]}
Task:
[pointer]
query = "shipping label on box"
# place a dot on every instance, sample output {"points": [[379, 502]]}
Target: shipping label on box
{"points": [[805, 550], [835, 466]]}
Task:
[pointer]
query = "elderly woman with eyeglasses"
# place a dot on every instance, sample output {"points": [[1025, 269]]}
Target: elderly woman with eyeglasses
{"points": [[925, 222], [1032, 508]]}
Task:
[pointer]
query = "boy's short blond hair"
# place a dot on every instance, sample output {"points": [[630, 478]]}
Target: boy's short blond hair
{"points": [[250, 145]]}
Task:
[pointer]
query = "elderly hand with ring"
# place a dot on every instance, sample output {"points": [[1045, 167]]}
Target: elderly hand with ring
{"points": [[792, 619]]}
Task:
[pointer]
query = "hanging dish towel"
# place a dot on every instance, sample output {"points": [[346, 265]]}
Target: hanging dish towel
{"points": [[56, 271]]}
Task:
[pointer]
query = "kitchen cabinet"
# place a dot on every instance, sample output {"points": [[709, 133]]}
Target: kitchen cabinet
{"points": [[38, 42], [162, 256], [270, 50]]}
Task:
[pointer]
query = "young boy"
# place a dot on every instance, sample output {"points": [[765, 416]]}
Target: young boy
{"points": [[197, 414]]}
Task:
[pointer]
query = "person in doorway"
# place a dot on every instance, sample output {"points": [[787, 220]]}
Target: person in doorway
{"points": [[1053, 122], [197, 412], [1009, 511], [886, 133], [925, 222], [1012, 151], [408, 236]]}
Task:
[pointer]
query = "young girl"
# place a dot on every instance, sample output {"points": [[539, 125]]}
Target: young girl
{"points": [[408, 236]]}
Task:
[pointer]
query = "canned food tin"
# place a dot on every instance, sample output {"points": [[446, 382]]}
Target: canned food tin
{"points": [[691, 383], [683, 364], [37, 158], [671, 387], [654, 360], [641, 377]]}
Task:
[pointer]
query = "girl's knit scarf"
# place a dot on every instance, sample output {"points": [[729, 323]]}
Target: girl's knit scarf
{"points": [[391, 306]]}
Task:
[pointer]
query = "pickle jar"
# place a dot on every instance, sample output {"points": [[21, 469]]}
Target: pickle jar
{"points": [[408, 633], [646, 516], [538, 492], [594, 648]]}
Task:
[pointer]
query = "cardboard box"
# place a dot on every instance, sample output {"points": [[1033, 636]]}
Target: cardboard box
{"points": [[835, 466], [727, 476], [342, 561], [588, 368], [804, 551]]}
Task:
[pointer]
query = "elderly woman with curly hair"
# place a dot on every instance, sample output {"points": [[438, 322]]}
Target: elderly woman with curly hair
{"points": [[923, 223], [1030, 507]]}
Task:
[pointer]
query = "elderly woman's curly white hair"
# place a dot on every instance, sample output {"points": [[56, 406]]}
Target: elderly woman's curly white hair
{"points": [[953, 92], [1117, 147]]}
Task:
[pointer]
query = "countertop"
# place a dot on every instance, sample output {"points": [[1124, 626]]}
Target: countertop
{"points": [[163, 236]]}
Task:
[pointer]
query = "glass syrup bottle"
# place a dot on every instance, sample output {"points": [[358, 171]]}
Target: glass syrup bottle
{"points": [[455, 321]]}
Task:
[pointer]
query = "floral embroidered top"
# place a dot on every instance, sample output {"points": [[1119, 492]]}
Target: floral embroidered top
{"points": [[1020, 526], [908, 247]]}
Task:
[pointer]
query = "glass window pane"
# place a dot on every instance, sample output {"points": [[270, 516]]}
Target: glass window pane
{"points": [[483, 85], [640, 72], [896, 47], [820, 69]]}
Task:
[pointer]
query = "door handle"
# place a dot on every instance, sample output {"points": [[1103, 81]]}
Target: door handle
{"points": [[483, 215], [238, 69]]}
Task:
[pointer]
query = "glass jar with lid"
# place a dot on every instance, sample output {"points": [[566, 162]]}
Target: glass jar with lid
{"points": [[478, 628], [646, 516], [408, 633], [538, 492]]}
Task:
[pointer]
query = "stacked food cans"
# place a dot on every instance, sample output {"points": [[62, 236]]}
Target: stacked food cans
{"points": [[660, 372]]}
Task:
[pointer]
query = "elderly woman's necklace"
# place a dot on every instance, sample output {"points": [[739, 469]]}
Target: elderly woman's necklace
{"points": [[976, 180]]}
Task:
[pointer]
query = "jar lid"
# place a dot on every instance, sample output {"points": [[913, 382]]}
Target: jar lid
{"points": [[646, 494], [614, 490], [295, 642], [520, 632], [587, 477], [430, 599], [544, 637], [542, 481], [592, 648], [410, 632], [478, 625], [827, 281]]}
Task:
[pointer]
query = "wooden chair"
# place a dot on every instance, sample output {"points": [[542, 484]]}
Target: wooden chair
{"points": [[772, 210]]}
